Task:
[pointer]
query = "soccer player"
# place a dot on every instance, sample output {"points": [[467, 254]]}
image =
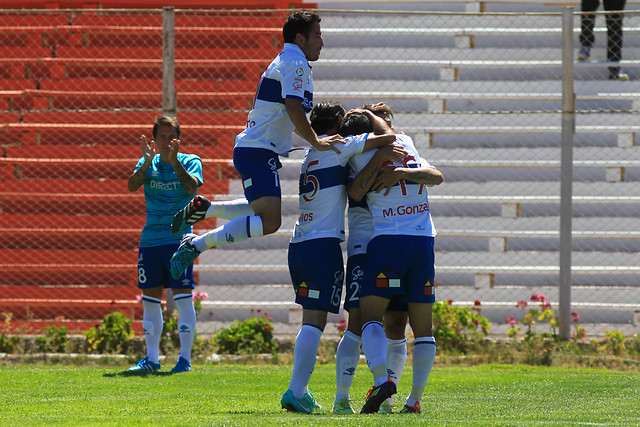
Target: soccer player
{"points": [[170, 180], [283, 96], [400, 263], [315, 257], [395, 318]]}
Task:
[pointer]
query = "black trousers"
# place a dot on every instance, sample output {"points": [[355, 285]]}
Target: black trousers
{"points": [[614, 26]]}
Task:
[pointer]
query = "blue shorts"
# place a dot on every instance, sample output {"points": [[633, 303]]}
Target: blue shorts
{"points": [[153, 269], [258, 169], [400, 265], [317, 273], [354, 276]]}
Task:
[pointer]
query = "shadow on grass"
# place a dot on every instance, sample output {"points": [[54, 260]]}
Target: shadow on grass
{"points": [[138, 374]]}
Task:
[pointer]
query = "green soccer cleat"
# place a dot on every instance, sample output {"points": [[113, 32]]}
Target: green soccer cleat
{"points": [[194, 212], [184, 256], [342, 407], [385, 408], [415, 409], [306, 405], [145, 365]]}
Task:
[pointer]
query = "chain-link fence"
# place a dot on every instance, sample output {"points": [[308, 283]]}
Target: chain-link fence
{"points": [[480, 93]]}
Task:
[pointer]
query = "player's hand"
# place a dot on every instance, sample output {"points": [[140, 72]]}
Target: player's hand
{"points": [[174, 147], [387, 178], [390, 153], [329, 143], [148, 150]]}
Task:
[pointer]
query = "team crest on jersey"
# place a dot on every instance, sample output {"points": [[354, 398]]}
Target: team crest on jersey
{"points": [[388, 279], [429, 289], [305, 292]]}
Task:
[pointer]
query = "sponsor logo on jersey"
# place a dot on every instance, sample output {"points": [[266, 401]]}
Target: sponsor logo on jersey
{"points": [[388, 279], [299, 72], [297, 85], [305, 292], [169, 186]]}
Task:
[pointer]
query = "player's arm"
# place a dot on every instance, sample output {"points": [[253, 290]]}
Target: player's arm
{"points": [[137, 178], [391, 175], [364, 180], [189, 182], [298, 117], [382, 133]]}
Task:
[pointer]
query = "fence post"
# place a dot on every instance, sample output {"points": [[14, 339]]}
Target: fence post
{"points": [[169, 107], [566, 171]]}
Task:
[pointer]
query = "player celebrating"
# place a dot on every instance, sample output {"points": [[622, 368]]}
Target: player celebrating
{"points": [[170, 180], [319, 231], [283, 96], [400, 262]]}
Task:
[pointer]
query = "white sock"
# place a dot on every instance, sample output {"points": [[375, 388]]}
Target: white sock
{"points": [[236, 230], [304, 359], [424, 353], [186, 323], [374, 346], [152, 325], [396, 358], [230, 209], [347, 356]]}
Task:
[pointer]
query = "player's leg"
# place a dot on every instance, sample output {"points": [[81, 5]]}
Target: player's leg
{"points": [[348, 351], [614, 37], [420, 295], [318, 287], [395, 322], [182, 295], [424, 353], [200, 208], [151, 283], [259, 172]]}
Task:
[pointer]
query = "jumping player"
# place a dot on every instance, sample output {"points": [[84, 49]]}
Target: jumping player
{"points": [[283, 96]]}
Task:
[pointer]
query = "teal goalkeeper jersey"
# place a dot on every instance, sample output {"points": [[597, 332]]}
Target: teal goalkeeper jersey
{"points": [[164, 197]]}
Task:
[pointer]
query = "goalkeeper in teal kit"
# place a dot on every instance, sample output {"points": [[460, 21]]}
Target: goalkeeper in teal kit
{"points": [[170, 180]]}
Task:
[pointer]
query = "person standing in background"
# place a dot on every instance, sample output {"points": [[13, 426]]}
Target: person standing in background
{"points": [[614, 33]]}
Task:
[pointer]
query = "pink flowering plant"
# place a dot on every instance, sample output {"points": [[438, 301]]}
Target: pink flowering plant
{"points": [[538, 311]]}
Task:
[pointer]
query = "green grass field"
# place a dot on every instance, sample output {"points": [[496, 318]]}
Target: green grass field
{"points": [[230, 394]]}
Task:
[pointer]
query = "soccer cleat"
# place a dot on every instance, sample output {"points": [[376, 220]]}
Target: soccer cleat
{"points": [[377, 395], [145, 365], [183, 365], [415, 409], [584, 53], [309, 395], [194, 212], [342, 407], [184, 256], [385, 408], [306, 405]]}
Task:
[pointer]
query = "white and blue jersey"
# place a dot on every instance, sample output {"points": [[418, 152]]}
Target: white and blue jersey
{"points": [[268, 124], [164, 196], [360, 227], [322, 193], [405, 210]]}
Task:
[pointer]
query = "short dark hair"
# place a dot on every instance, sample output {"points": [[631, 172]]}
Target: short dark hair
{"points": [[325, 116], [166, 121], [299, 21], [355, 124], [381, 110]]}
